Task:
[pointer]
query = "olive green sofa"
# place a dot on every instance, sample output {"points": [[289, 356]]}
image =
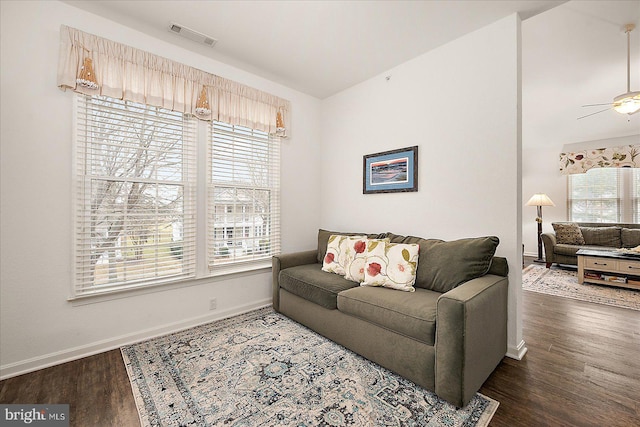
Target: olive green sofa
{"points": [[447, 342], [595, 235]]}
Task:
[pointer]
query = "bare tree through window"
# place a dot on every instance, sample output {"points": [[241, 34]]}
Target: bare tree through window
{"points": [[135, 191]]}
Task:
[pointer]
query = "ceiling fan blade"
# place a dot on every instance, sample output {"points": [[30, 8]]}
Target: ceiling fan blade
{"points": [[597, 105], [597, 112]]}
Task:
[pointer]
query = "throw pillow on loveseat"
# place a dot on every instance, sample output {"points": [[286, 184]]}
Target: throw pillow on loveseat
{"points": [[391, 265]]}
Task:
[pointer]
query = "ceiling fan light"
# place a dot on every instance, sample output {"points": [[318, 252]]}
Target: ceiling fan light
{"points": [[628, 106], [627, 103]]}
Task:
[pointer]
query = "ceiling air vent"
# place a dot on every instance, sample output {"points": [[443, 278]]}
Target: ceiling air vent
{"points": [[192, 34]]}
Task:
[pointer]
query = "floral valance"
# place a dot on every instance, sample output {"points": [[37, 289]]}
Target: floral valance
{"points": [[96, 66], [625, 156]]}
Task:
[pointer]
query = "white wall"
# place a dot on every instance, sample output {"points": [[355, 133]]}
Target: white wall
{"points": [[460, 104], [38, 326]]}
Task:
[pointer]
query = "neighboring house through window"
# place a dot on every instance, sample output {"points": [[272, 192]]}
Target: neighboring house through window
{"points": [[244, 172]]}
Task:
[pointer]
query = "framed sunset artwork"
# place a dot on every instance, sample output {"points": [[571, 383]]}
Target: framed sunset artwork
{"points": [[390, 171]]}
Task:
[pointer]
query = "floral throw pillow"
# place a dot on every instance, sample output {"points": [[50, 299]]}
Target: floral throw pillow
{"points": [[334, 258], [568, 233], [355, 254], [392, 265]]}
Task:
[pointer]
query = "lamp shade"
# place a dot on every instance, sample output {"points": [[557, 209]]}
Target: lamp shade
{"points": [[540, 199]]}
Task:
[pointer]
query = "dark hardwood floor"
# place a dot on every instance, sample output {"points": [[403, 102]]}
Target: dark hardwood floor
{"points": [[582, 369], [96, 388]]}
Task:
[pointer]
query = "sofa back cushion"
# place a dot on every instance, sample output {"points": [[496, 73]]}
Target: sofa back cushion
{"points": [[602, 236], [499, 266], [630, 237], [444, 265]]}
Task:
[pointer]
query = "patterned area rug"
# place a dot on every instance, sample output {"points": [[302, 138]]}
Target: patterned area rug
{"points": [[564, 283], [263, 369]]}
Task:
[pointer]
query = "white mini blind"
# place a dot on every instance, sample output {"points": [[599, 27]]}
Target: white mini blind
{"points": [[605, 195], [595, 196], [243, 197], [135, 196]]}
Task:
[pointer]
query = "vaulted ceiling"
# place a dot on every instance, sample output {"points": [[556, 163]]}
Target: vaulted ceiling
{"points": [[573, 53], [316, 47]]}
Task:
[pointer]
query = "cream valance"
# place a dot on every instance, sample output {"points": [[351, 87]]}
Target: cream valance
{"points": [[96, 66], [625, 156]]}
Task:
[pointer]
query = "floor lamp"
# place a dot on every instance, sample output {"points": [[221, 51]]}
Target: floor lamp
{"points": [[539, 200]]}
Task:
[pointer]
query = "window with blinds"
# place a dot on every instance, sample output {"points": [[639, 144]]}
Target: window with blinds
{"points": [[604, 195], [135, 196], [243, 198]]}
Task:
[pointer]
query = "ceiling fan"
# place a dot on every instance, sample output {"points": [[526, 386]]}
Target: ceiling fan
{"points": [[628, 102]]}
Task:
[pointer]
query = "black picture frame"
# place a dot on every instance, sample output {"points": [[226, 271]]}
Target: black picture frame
{"points": [[394, 171]]}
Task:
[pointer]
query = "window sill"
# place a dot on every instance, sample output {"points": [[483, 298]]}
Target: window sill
{"points": [[115, 294], [239, 267]]}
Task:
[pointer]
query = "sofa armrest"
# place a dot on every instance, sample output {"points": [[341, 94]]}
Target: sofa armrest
{"points": [[549, 241], [471, 336], [282, 261]]}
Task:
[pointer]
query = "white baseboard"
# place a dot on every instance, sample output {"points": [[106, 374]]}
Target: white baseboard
{"points": [[517, 352], [56, 358]]}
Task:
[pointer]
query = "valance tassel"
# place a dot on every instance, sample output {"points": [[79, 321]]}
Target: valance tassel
{"points": [[202, 105], [281, 130], [87, 77]]}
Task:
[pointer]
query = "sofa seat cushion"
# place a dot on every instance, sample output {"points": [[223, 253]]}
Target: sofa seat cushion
{"points": [[570, 250], [412, 314], [308, 281]]}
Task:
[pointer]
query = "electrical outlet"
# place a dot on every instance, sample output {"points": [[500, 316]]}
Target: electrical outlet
{"points": [[213, 304]]}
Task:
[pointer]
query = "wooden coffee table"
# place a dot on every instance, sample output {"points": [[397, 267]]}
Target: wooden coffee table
{"points": [[608, 263]]}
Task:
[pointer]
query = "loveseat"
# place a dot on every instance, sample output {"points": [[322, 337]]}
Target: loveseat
{"points": [[568, 238], [447, 336]]}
